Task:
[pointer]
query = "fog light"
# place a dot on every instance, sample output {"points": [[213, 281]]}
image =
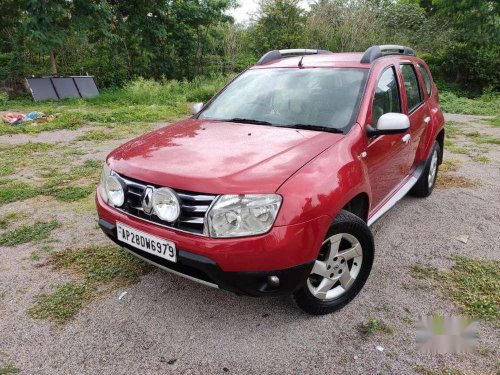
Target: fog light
{"points": [[273, 281]]}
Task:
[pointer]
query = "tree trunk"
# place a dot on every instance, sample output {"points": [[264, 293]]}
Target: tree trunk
{"points": [[53, 66]]}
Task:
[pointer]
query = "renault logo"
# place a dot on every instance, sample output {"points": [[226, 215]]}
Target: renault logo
{"points": [[147, 200]]}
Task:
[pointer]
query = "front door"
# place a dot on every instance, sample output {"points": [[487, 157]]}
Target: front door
{"points": [[387, 155]]}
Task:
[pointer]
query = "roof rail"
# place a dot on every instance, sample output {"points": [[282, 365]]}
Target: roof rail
{"points": [[375, 52], [283, 53]]}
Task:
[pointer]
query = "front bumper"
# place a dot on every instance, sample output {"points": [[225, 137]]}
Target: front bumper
{"points": [[281, 248], [205, 270]]}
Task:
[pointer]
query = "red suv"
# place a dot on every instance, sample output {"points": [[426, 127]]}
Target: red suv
{"points": [[270, 188]]}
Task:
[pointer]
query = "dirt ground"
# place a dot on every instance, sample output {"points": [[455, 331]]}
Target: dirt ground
{"points": [[167, 324]]}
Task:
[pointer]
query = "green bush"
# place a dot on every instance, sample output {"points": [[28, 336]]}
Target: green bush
{"points": [[148, 91], [4, 97], [487, 104]]}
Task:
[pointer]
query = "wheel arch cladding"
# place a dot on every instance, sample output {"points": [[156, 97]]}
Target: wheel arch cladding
{"points": [[440, 140], [359, 206]]}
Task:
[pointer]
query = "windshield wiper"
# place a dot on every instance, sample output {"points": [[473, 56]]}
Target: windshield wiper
{"points": [[247, 121], [315, 127]]}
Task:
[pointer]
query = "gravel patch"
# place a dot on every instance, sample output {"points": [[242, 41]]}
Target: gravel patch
{"points": [[166, 324]]}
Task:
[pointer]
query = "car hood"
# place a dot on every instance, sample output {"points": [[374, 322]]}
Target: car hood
{"points": [[219, 157]]}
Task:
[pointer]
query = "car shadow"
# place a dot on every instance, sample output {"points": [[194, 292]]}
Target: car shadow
{"points": [[169, 294]]}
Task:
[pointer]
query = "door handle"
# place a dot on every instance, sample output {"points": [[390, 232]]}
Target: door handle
{"points": [[406, 138], [427, 120]]}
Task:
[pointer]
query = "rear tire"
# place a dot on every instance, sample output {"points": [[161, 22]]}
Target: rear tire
{"points": [[427, 181], [342, 268]]}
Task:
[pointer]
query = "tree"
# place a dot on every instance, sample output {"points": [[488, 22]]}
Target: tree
{"points": [[49, 22], [342, 26], [472, 51], [279, 25]]}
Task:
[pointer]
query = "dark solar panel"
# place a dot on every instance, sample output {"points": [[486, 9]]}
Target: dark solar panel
{"points": [[44, 88], [41, 88], [87, 86], [65, 87]]}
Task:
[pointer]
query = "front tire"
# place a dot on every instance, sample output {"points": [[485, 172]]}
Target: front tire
{"points": [[342, 268], [426, 182]]}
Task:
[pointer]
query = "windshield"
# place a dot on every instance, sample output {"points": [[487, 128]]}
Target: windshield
{"points": [[321, 97]]}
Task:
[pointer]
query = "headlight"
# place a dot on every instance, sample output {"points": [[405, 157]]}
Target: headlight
{"points": [[115, 191], [111, 188], [106, 171], [166, 205], [243, 215]]}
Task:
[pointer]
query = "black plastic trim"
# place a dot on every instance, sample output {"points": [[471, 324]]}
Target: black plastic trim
{"points": [[207, 271], [281, 54], [375, 52]]}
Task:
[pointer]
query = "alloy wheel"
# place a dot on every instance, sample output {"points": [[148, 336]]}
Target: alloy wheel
{"points": [[337, 267], [433, 169]]}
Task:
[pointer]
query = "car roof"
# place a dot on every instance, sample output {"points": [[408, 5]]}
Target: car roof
{"points": [[342, 60], [309, 58]]}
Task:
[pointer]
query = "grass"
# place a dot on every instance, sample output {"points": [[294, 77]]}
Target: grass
{"points": [[14, 157], [101, 264], [452, 129], [450, 165], [448, 143], [65, 120], [424, 272], [487, 140], [62, 304], [459, 150], [450, 146], [373, 326], [448, 181], [479, 138], [73, 193], [116, 131], [9, 368], [99, 269], [95, 135], [37, 231], [77, 183], [8, 219], [12, 191], [494, 121], [139, 101], [473, 284], [486, 105], [483, 159]]}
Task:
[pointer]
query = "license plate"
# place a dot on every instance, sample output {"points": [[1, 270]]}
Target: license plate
{"points": [[146, 242]]}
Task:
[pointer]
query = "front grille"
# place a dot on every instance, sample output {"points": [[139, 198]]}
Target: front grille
{"points": [[194, 206]]}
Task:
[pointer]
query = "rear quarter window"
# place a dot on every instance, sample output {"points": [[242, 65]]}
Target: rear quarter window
{"points": [[427, 79], [412, 87]]}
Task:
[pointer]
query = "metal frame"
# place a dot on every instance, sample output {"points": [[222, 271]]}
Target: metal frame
{"points": [[376, 52], [284, 53]]}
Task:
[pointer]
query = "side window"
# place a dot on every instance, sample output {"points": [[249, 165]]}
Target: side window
{"points": [[412, 88], [427, 79], [386, 97]]}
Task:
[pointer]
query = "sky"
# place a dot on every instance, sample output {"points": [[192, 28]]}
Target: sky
{"points": [[241, 14]]}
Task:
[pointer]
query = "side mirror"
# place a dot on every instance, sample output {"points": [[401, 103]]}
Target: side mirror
{"points": [[390, 123], [196, 108]]}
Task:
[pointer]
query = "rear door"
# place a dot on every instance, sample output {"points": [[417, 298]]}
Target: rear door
{"points": [[387, 155], [416, 109]]}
